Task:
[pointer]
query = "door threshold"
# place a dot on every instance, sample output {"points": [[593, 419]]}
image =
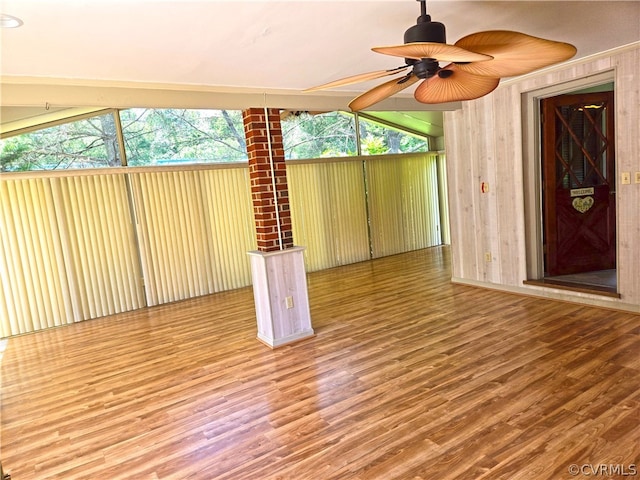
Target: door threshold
{"points": [[574, 287]]}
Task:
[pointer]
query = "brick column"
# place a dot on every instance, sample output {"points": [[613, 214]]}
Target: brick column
{"points": [[267, 170], [277, 267]]}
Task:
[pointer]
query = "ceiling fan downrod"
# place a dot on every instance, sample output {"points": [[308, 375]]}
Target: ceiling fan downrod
{"points": [[425, 30]]}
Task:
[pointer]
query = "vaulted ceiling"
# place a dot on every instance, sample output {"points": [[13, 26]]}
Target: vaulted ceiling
{"points": [[259, 49]]}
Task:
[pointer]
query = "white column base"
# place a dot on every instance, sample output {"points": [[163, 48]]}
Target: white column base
{"points": [[281, 298]]}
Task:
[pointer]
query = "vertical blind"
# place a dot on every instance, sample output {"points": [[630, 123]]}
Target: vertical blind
{"points": [[194, 229], [403, 203], [443, 195], [345, 211], [75, 246], [67, 251], [328, 212]]}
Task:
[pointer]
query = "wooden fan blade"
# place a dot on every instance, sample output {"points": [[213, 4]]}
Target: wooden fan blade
{"points": [[440, 51], [382, 91], [513, 53], [361, 77], [454, 86]]}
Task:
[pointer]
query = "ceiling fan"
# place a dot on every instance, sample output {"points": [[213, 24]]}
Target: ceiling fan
{"points": [[477, 62]]}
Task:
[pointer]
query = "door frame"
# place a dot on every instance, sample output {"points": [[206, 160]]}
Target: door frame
{"points": [[532, 164]]}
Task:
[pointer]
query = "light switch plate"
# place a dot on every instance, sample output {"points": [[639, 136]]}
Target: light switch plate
{"points": [[626, 178]]}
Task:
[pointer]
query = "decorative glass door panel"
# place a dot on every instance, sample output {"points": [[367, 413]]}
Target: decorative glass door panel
{"points": [[579, 183]]}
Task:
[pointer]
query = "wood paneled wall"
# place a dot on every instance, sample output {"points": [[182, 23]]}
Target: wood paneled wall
{"points": [[485, 142]]}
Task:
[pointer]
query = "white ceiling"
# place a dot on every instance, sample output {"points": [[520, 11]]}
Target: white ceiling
{"points": [[267, 46]]}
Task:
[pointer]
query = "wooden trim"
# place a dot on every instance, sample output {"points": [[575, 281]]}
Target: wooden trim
{"points": [[545, 282], [531, 160], [555, 292], [359, 158], [36, 91], [118, 170]]}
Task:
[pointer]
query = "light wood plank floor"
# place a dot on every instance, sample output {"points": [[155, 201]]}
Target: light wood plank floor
{"points": [[409, 377]]}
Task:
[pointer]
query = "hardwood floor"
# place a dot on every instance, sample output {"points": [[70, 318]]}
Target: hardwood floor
{"points": [[408, 377]]}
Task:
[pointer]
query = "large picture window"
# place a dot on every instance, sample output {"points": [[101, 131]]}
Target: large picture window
{"points": [[327, 135], [379, 139], [156, 137], [182, 136], [322, 135], [79, 143]]}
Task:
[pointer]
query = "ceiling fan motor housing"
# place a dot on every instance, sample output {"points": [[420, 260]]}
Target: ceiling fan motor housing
{"points": [[426, 31]]}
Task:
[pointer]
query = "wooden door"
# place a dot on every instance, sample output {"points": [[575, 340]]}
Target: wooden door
{"points": [[579, 183]]}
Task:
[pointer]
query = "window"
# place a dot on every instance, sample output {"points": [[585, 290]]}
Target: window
{"points": [[377, 139], [190, 136], [85, 143], [333, 134], [182, 136], [307, 135]]}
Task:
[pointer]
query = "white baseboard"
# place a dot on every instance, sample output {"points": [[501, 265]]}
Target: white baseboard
{"points": [[551, 293]]}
